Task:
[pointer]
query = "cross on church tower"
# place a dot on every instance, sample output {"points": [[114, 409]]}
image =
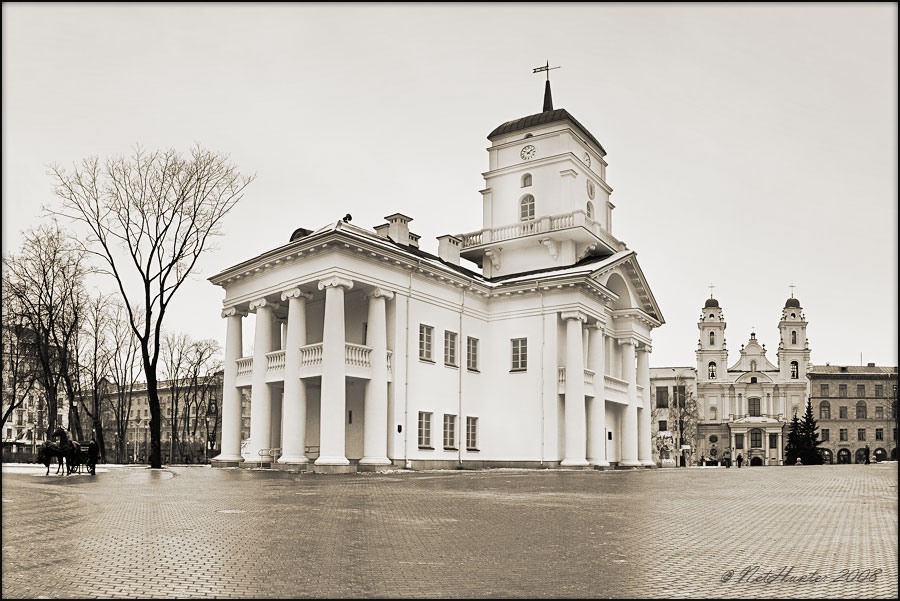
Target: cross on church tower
{"points": [[710, 290], [548, 98], [792, 286]]}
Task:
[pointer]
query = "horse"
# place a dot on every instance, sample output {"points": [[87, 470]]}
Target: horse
{"points": [[47, 452], [71, 450]]}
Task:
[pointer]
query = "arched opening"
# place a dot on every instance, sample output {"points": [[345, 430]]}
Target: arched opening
{"points": [[843, 456], [880, 454], [753, 365], [827, 456], [526, 180], [756, 461], [860, 455], [590, 210], [756, 438], [824, 410], [712, 339], [793, 337], [894, 454], [526, 208], [795, 370], [617, 285], [712, 370]]}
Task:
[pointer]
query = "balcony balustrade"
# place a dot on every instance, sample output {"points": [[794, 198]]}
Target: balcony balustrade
{"points": [[358, 357]]}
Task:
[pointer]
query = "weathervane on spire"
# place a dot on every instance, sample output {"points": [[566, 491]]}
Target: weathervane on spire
{"points": [[792, 289], [710, 290], [546, 68], [548, 98]]}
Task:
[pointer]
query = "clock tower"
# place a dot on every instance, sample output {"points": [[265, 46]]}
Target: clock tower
{"points": [[546, 203]]}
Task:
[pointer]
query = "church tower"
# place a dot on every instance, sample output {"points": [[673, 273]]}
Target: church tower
{"points": [[546, 203], [712, 356], [793, 348]]}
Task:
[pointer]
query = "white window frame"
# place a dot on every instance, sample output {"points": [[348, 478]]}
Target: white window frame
{"points": [[526, 208], [471, 353], [426, 342], [450, 339], [471, 433], [450, 432], [519, 354], [425, 429]]}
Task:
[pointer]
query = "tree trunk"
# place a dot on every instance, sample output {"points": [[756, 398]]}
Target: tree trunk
{"points": [[155, 415]]}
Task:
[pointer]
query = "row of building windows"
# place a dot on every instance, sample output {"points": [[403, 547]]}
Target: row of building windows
{"points": [[860, 390], [795, 369], [449, 431], [860, 434], [426, 337], [526, 208], [862, 411]]}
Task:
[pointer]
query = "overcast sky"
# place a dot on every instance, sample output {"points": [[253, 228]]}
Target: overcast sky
{"points": [[749, 146]]}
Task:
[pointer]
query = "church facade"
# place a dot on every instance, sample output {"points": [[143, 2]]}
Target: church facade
{"points": [[744, 407], [523, 343]]}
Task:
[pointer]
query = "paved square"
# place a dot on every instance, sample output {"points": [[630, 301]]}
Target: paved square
{"points": [[699, 532]]}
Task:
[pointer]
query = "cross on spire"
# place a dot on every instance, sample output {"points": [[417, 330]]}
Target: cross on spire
{"points": [[546, 68], [710, 290], [792, 286]]}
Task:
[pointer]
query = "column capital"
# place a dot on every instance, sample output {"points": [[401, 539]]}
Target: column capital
{"points": [[232, 311], [627, 340], [296, 293], [567, 315], [597, 326], [263, 302], [645, 348], [380, 293], [335, 282]]}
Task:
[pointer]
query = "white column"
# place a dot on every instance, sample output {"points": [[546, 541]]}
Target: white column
{"points": [[293, 434], [596, 418], [629, 418], [576, 428], [780, 448], [645, 455], [332, 435], [231, 395], [586, 336], [260, 395], [375, 416]]}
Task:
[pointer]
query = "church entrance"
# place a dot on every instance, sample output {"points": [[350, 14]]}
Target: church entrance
{"points": [[756, 461]]}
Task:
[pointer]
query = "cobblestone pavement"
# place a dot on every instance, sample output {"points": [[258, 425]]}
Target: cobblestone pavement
{"points": [[699, 532]]}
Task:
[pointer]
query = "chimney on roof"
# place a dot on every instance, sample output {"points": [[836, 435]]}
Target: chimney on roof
{"points": [[871, 365], [398, 228], [414, 240], [448, 248], [382, 230]]}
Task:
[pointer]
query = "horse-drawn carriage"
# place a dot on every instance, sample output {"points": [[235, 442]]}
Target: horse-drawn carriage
{"points": [[77, 455]]}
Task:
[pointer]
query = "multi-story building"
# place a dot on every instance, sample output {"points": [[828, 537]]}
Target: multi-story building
{"points": [[673, 394], [373, 352], [856, 407]]}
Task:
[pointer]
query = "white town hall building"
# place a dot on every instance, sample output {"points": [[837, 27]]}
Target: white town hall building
{"points": [[370, 353]]}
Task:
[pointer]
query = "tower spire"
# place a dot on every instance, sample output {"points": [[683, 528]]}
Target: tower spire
{"points": [[548, 98]]}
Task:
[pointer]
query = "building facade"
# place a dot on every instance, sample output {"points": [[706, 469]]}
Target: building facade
{"points": [[673, 398], [525, 342], [856, 407]]}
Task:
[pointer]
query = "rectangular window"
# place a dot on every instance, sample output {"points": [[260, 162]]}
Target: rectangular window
{"points": [[843, 411], [842, 390], [678, 396], [825, 435], [426, 334], [879, 433], [739, 441], [755, 439], [879, 390], [754, 407], [879, 412], [450, 348], [424, 430], [471, 433], [861, 390], [861, 434], [823, 389], [843, 434], [472, 353], [663, 425], [519, 354], [773, 441], [449, 432], [662, 397], [712, 413]]}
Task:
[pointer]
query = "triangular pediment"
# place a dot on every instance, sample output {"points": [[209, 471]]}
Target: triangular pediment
{"points": [[625, 265]]}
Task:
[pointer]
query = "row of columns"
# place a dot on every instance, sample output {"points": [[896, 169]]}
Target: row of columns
{"points": [[585, 422], [779, 446], [332, 443]]}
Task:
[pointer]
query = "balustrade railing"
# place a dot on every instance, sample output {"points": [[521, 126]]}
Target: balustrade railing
{"points": [[357, 354], [311, 354], [588, 376], [616, 384], [275, 361], [245, 366], [524, 228]]}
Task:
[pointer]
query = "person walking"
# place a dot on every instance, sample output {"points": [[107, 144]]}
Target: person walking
{"points": [[740, 460], [726, 457], [867, 454]]}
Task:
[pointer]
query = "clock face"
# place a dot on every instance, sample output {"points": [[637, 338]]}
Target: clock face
{"points": [[587, 159], [528, 152]]}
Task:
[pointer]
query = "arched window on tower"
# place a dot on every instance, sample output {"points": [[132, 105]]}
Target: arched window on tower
{"points": [[795, 370], [590, 210], [712, 338], [526, 208], [712, 370], [753, 365], [793, 337], [526, 180]]}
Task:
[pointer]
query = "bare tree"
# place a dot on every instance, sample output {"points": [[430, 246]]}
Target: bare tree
{"points": [[203, 363], [176, 350], [150, 218], [46, 279], [95, 355], [20, 369], [124, 372]]}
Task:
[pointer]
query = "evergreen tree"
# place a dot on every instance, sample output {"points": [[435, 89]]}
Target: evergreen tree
{"points": [[793, 449], [809, 438]]}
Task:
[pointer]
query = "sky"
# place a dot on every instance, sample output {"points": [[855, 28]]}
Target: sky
{"points": [[750, 146]]}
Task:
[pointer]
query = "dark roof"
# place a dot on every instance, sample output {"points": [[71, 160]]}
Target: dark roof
{"points": [[542, 119], [711, 302], [820, 370], [792, 302], [585, 261]]}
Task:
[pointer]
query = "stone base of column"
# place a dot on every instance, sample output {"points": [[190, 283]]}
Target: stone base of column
{"points": [[376, 461], [333, 469], [226, 461], [574, 463], [335, 460], [292, 467], [599, 464], [648, 463], [293, 459], [629, 463]]}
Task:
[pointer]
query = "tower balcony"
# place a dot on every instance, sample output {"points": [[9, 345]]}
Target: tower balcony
{"points": [[357, 361], [575, 226]]}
